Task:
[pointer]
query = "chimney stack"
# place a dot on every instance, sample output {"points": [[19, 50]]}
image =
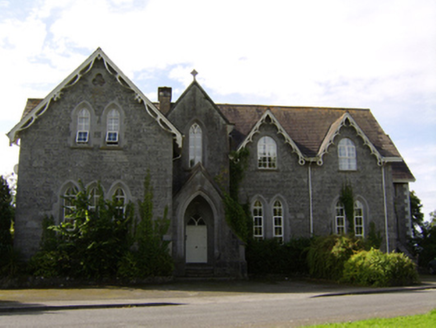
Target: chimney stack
{"points": [[164, 98]]}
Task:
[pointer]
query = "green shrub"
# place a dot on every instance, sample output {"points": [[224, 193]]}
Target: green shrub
{"points": [[327, 255], [50, 264], [89, 245], [11, 262], [374, 238], [150, 257], [271, 257], [375, 268], [101, 242]]}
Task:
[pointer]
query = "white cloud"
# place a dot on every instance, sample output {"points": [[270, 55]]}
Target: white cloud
{"points": [[377, 54]]}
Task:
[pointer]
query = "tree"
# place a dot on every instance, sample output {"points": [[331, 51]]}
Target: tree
{"points": [[423, 232], [8, 257], [433, 218], [6, 215], [149, 255], [417, 215], [90, 243]]}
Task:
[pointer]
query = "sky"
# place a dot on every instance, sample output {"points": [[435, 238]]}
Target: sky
{"points": [[337, 53]]}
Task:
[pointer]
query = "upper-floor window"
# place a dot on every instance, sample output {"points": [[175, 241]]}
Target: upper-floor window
{"points": [[113, 126], [347, 155], [257, 220], [83, 122], [278, 221], [266, 153], [195, 145]]}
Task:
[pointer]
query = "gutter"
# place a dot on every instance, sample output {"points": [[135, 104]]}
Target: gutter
{"points": [[310, 200], [385, 208]]}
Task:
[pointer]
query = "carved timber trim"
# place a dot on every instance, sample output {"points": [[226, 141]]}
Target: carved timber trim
{"points": [[347, 120], [268, 117], [75, 77]]}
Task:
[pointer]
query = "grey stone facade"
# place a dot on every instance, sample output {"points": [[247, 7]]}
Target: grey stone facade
{"points": [[306, 180]]}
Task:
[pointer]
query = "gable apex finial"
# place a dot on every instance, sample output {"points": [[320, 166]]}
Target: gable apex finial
{"points": [[194, 74]]}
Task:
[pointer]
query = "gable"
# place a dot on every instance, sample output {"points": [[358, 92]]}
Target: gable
{"points": [[31, 114], [347, 120], [196, 99], [269, 117], [308, 127], [312, 130]]}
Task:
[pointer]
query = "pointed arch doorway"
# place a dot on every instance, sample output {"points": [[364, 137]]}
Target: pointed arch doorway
{"points": [[196, 240], [198, 218]]}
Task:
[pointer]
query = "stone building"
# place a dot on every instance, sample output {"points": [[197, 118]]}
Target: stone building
{"points": [[97, 126]]}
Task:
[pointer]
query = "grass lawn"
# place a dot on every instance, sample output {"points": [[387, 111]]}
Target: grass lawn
{"points": [[414, 321]]}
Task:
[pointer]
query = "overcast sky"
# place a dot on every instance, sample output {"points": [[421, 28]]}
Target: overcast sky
{"points": [[367, 54]]}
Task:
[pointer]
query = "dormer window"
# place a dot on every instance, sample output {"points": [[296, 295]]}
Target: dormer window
{"points": [[113, 127], [83, 121], [195, 145], [266, 153], [347, 155]]}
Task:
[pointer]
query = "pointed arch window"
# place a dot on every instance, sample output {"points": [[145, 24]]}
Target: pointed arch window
{"points": [[278, 221], [347, 155], [120, 201], [266, 153], [94, 198], [340, 218], [113, 127], [257, 220], [83, 123], [358, 219], [68, 204], [195, 145]]}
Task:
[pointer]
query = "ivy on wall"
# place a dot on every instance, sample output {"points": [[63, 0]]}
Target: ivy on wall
{"points": [[347, 200], [237, 215]]}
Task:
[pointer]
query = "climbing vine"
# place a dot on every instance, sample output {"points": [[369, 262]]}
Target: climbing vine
{"points": [[238, 165], [347, 199], [237, 215]]}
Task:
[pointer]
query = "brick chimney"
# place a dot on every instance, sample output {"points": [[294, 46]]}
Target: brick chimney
{"points": [[164, 98]]}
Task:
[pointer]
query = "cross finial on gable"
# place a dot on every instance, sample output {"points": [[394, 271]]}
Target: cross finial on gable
{"points": [[194, 73]]}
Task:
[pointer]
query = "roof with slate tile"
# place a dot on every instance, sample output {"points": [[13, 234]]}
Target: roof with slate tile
{"points": [[308, 127]]}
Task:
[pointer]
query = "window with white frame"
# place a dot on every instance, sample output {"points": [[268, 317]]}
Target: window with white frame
{"points": [[83, 122], [94, 198], [113, 127], [278, 221], [266, 153], [257, 220], [347, 155], [120, 199], [340, 218], [358, 219], [195, 145], [68, 204]]}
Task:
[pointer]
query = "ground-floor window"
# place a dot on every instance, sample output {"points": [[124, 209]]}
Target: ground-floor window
{"points": [[278, 221], [257, 220]]}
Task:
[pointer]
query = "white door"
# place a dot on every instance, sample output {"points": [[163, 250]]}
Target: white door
{"points": [[196, 241]]}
